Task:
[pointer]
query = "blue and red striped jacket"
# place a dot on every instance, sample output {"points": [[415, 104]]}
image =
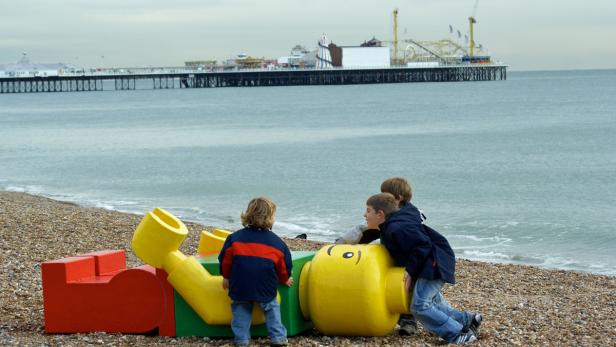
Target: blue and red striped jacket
{"points": [[254, 261]]}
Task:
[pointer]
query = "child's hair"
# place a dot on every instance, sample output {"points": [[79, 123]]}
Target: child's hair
{"points": [[259, 213], [385, 202], [398, 187]]}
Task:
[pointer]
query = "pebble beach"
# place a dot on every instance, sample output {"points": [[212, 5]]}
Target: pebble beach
{"points": [[521, 305]]}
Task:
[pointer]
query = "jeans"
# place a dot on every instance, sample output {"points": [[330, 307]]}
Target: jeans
{"points": [[434, 312], [242, 318]]}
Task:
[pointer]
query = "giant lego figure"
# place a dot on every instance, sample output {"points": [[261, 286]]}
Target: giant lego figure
{"points": [[342, 289]]}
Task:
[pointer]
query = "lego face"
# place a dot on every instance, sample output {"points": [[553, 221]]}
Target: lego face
{"points": [[347, 252]]}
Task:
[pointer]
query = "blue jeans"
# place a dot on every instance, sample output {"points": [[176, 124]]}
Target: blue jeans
{"points": [[242, 318], [434, 312]]}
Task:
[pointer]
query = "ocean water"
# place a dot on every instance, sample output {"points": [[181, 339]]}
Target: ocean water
{"points": [[517, 171]]}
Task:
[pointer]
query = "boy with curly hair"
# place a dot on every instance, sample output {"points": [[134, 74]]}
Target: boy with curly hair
{"points": [[253, 261]]}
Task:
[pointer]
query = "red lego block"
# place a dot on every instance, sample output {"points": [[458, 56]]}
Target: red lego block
{"points": [[108, 262], [95, 292], [167, 325]]}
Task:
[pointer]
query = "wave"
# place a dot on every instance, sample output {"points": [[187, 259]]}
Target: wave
{"points": [[483, 255], [497, 239], [545, 261], [30, 189], [490, 248], [316, 231], [127, 206]]}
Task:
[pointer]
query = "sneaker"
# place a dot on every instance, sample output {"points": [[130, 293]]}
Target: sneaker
{"points": [[407, 328], [473, 323], [476, 323], [464, 338], [280, 343]]}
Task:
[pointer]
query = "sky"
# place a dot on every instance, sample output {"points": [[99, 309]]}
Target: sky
{"points": [[525, 34]]}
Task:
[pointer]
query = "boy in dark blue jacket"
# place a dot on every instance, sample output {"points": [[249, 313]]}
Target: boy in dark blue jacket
{"points": [[429, 262], [401, 189], [253, 261]]}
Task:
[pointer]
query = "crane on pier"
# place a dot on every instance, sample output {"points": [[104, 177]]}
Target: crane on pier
{"points": [[471, 21], [395, 59]]}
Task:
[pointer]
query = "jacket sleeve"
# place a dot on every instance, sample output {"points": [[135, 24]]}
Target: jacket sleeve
{"points": [[417, 246], [225, 258], [284, 265], [352, 236], [369, 235]]}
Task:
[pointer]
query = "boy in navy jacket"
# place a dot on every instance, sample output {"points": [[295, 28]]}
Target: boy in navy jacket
{"points": [[401, 189], [253, 261], [429, 262]]}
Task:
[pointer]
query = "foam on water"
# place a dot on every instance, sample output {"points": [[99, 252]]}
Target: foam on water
{"points": [[536, 260], [79, 199], [30, 189], [473, 238], [317, 231], [482, 255]]}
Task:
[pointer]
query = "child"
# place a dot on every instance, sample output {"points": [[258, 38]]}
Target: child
{"points": [[253, 261], [400, 188], [429, 262]]}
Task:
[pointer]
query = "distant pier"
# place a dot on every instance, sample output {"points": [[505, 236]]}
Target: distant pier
{"points": [[132, 79]]}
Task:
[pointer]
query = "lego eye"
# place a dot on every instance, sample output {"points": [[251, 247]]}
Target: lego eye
{"points": [[348, 255]]}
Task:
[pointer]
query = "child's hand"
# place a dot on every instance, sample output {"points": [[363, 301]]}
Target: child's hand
{"points": [[225, 283], [407, 281], [289, 282]]}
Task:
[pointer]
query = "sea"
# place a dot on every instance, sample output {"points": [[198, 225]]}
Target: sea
{"points": [[518, 171]]}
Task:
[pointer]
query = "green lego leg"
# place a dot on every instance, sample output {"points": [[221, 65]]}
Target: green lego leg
{"points": [[188, 323]]}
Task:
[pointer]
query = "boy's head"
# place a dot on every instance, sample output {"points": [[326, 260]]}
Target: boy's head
{"points": [[259, 214], [379, 207], [400, 188]]}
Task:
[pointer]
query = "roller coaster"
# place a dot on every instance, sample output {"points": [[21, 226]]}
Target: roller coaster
{"points": [[444, 52]]}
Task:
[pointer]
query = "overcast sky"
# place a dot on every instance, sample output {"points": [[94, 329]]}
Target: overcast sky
{"points": [[526, 34]]}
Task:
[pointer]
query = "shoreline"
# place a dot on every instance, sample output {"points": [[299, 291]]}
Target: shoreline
{"points": [[139, 208], [521, 304]]}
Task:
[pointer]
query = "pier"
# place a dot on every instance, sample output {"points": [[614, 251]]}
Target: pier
{"points": [[170, 78]]}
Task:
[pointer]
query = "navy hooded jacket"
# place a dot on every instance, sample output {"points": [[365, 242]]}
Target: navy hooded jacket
{"points": [[420, 249], [255, 261]]}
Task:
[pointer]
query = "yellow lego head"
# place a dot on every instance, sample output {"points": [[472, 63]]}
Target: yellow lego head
{"points": [[353, 290]]}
